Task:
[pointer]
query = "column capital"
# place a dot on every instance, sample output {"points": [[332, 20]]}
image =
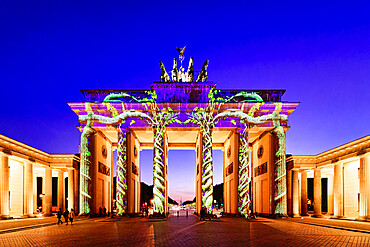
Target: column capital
{"points": [[363, 155], [4, 153]]}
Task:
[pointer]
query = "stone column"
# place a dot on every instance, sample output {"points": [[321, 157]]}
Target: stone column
{"points": [[122, 169], [330, 195], [365, 186], [61, 190], [289, 191], [71, 184], [48, 190], [338, 190], [317, 193], [304, 209], [295, 194], [4, 186], [28, 189]]}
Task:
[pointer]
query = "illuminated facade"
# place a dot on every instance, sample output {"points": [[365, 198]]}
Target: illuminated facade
{"points": [[182, 114], [30, 178], [340, 182], [248, 125]]}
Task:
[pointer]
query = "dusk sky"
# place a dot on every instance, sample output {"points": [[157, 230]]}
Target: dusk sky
{"points": [[318, 51]]}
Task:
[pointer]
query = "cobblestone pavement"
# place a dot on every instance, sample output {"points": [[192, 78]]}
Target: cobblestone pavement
{"points": [[22, 223], [185, 231]]}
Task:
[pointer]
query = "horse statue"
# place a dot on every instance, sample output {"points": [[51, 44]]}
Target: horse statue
{"points": [[202, 76], [164, 76]]}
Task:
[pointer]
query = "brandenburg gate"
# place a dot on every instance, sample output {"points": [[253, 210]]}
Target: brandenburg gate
{"points": [[184, 111]]}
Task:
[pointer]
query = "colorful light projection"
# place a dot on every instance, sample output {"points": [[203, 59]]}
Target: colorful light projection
{"points": [[121, 196], [244, 175], [85, 179], [280, 171], [159, 119], [204, 118]]}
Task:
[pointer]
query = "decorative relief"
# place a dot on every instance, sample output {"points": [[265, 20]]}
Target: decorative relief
{"points": [[104, 169], [134, 169], [229, 169], [260, 152], [229, 152], [261, 169], [104, 151], [135, 151]]}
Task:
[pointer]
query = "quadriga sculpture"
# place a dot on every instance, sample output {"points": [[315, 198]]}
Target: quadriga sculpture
{"points": [[164, 76], [202, 76]]}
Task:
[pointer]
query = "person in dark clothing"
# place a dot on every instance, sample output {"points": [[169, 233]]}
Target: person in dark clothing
{"points": [[104, 211], [71, 215], [59, 215], [202, 214], [65, 214], [100, 212]]}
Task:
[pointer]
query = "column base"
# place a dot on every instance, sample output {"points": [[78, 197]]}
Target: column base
{"points": [[363, 218], [318, 216], [28, 216], [337, 217], [304, 214], [295, 216], [5, 217]]}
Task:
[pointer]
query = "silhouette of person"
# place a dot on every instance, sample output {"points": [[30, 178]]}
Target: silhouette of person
{"points": [[59, 216]]}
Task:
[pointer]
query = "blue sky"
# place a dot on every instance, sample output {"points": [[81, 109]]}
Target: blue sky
{"points": [[318, 51]]}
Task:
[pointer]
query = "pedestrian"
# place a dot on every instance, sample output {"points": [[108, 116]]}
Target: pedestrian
{"points": [[71, 215], [59, 215], [100, 211], [65, 214], [202, 213], [104, 211]]}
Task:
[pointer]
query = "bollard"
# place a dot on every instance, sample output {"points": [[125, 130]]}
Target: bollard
{"points": [[186, 213], [178, 213]]}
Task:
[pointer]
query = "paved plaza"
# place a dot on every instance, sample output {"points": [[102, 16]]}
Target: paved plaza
{"points": [[185, 231]]}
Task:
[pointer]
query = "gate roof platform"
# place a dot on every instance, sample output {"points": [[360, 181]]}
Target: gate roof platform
{"points": [[183, 98]]}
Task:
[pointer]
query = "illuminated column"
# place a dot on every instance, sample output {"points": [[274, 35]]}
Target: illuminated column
{"points": [[280, 193], [48, 190], [28, 189], [207, 168], [244, 177], [159, 184], [4, 186], [121, 196], [330, 195], [71, 186], [61, 190], [85, 162], [365, 186], [289, 191], [304, 209], [338, 190], [317, 193], [295, 196]]}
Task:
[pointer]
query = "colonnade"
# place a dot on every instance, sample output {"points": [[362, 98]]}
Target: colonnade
{"points": [[348, 188], [23, 187]]}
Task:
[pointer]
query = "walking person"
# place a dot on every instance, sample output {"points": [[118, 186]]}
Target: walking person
{"points": [[202, 213], [71, 215], [59, 216], [65, 214]]}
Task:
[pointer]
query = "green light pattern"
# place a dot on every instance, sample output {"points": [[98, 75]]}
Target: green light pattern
{"points": [[85, 179], [244, 178], [280, 170], [160, 121], [204, 118], [121, 172]]}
